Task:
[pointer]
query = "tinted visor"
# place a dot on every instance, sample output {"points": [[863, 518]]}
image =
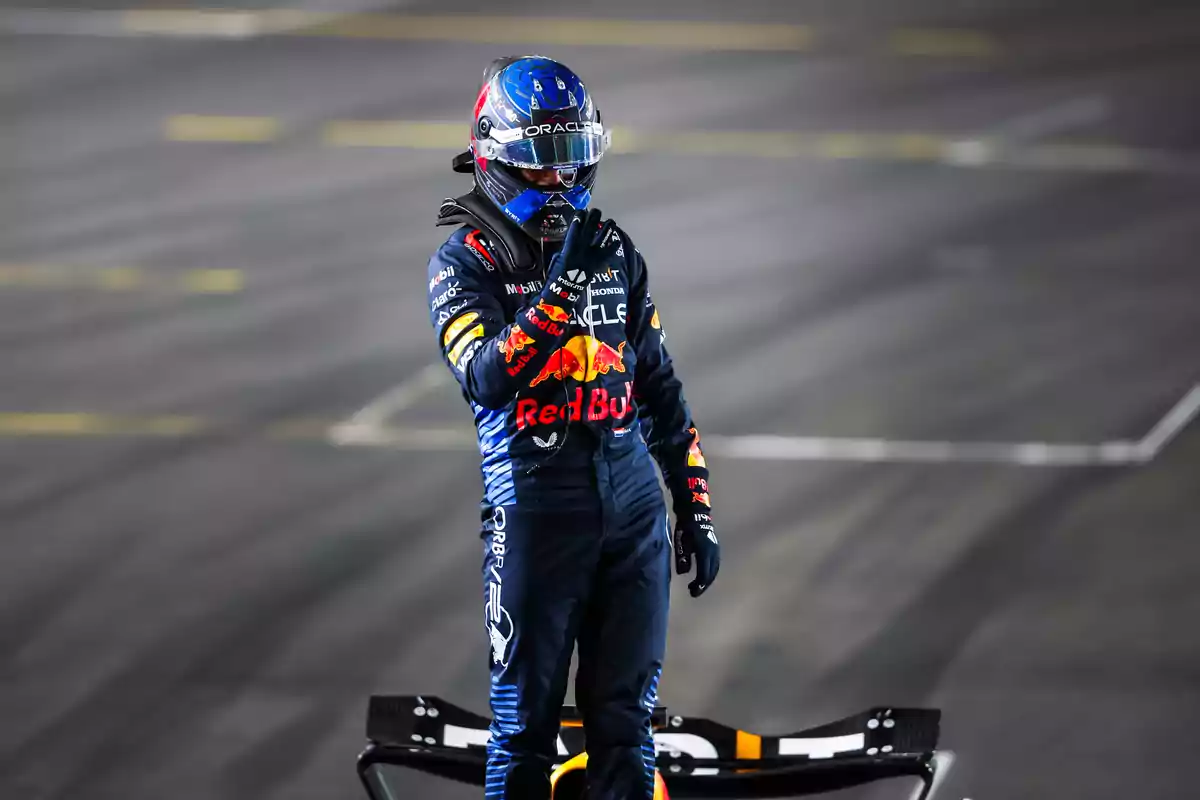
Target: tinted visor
{"points": [[548, 151], [559, 150]]}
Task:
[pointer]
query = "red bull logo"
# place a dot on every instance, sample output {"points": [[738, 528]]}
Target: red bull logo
{"points": [[582, 358], [553, 312], [600, 405], [522, 361], [700, 497], [516, 341]]}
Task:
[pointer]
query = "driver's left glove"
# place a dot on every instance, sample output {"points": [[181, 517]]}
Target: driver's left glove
{"points": [[695, 537]]}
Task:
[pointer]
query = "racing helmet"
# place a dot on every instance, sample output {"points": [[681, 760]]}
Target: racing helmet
{"points": [[534, 113]]}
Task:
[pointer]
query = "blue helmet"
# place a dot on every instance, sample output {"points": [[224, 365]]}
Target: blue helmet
{"points": [[534, 113]]}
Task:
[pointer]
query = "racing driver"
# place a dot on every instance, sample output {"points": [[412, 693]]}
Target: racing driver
{"points": [[544, 316]]}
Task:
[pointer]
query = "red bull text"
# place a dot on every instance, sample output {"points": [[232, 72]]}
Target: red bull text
{"points": [[548, 325], [600, 405]]}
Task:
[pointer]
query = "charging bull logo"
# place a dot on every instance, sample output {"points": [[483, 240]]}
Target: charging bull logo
{"points": [[516, 341], [500, 633], [582, 358], [553, 312]]}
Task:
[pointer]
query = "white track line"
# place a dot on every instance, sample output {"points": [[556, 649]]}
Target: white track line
{"points": [[1053, 120], [368, 428], [802, 448], [996, 145], [1170, 425], [368, 424], [943, 761], [816, 448]]}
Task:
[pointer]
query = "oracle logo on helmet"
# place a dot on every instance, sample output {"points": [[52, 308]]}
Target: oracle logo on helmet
{"points": [[546, 129]]}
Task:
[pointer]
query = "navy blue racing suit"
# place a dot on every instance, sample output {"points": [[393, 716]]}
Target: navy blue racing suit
{"points": [[573, 408]]}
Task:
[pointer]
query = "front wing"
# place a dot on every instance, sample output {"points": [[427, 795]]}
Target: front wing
{"points": [[698, 758]]}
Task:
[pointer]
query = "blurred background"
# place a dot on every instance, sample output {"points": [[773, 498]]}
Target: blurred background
{"points": [[928, 269]]}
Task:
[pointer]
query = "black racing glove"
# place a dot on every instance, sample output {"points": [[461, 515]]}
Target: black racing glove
{"points": [[697, 537], [587, 250]]}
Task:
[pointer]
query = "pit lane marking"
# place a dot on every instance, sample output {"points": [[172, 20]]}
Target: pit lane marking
{"points": [[371, 430], [968, 151], [119, 279]]}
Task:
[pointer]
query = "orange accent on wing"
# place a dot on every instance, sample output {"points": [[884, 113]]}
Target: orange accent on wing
{"points": [[573, 764], [749, 745], [579, 762]]}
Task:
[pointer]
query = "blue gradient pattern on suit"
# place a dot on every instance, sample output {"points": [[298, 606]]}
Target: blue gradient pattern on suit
{"points": [[496, 466], [648, 753], [504, 724]]}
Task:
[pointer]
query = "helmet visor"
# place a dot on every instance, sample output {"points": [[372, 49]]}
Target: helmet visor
{"points": [[556, 150]]}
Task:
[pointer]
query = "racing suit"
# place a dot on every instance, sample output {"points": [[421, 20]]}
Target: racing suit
{"points": [[573, 404]]}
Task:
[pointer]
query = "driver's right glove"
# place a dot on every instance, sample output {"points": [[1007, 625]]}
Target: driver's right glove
{"points": [[587, 250]]}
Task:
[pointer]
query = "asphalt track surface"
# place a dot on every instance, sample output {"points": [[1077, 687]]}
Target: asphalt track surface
{"points": [[200, 609]]}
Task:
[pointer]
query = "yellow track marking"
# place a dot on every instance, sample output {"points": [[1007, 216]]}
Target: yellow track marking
{"points": [[416, 135], [120, 279], [204, 128], [88, 424]]}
